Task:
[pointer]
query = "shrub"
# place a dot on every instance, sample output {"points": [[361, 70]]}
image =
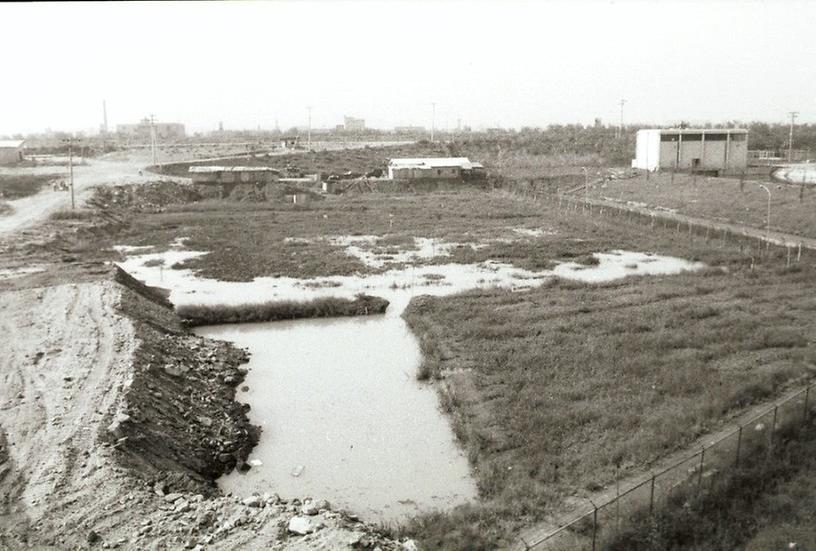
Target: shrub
{"points": [[76, 214]]}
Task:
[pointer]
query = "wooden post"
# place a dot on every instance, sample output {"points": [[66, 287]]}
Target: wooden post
{"points": [[807, 395], [700, 474], [594, 526], [739, 445], [651, 496]]}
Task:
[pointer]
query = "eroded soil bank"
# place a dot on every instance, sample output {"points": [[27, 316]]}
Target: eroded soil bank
{"points": [[114, 422]]}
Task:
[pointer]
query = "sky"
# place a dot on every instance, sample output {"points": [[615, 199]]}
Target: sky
{"points": [[488, 64]]}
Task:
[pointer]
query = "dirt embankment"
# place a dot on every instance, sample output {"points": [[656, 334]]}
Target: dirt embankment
{"points": [[114, 423]]}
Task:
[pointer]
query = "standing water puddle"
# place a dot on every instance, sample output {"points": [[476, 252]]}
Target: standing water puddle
{"points": [[343, 416]]}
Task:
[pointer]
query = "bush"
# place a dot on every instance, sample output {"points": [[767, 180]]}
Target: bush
{"points": [[76, 214]]}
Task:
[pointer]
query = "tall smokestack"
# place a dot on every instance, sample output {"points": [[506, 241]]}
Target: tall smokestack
{"points": [[104, 118]]}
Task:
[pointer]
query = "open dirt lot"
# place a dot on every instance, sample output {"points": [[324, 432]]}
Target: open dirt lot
{"points": [[32, 209]]}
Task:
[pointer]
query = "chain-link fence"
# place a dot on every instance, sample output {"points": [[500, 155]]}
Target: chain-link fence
{"points": [[602, 522]]}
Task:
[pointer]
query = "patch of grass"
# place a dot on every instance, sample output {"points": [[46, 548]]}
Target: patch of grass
{"points": [[154, 262], [193, 315]]}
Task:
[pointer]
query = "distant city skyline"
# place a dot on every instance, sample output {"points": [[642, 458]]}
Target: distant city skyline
{"points": [[488, 64]]}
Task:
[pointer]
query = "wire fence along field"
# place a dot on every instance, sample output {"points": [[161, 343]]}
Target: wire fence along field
{"points": [[602, 522], [756, 243]]}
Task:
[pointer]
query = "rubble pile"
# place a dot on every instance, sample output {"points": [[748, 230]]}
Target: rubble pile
{"points": [[152, 197]]}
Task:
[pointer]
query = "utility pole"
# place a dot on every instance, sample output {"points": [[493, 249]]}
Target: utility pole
{"points": [[70, 142], [433, 120], [620, 127], [153, 140], [309, 135], [793, 115]]}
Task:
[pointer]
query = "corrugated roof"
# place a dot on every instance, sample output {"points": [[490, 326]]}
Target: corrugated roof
{"points": [[11, 144], [211, 169], [432, 162]]}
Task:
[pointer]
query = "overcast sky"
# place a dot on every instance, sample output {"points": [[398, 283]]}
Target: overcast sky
{"points": [[499, 63]]}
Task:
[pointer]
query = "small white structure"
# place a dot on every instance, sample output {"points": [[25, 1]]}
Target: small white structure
{"points": [[437, 168], [716, 149], [11, 151]]}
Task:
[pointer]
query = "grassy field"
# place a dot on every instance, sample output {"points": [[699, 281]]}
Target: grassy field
{"points": [[248, 240], [550, 389], [23, 185], [512, 164], [793, 207]]}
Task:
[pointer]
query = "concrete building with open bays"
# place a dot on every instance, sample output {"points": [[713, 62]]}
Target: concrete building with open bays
{"points": [[720, 150]]}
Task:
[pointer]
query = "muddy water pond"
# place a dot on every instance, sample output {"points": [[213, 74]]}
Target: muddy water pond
{"points": [[343, 416]]}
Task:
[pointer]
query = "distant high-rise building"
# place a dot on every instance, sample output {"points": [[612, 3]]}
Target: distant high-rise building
{"points": [[353, 124]]}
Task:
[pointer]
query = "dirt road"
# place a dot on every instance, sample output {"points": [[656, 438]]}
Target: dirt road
{"points": [[30, 210]]}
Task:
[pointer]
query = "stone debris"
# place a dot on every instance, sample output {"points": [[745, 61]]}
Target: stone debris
{"points": [[301, 526], [253, 501]]}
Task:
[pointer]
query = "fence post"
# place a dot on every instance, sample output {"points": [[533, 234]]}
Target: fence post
{"points": [[773, 428], [700, 474], [807, 395], [739, 445], [594, 525], [651, 496]]}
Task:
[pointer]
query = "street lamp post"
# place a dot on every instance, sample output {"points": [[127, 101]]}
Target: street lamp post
{"points": [[768, 224]]}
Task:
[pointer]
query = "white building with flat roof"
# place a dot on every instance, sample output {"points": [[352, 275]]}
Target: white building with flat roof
{"points": [[724, 150], [437, 168]]}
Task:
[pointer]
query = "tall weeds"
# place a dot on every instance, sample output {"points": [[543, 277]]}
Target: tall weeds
{"points": [[326, 307]]}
